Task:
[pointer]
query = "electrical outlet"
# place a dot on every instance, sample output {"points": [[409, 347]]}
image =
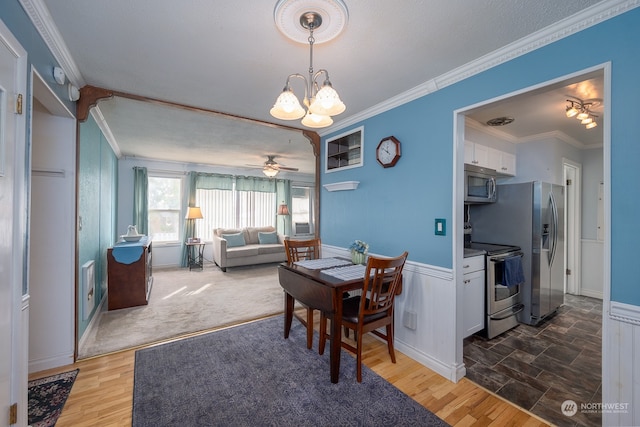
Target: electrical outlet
{"points": [[441, 227]]}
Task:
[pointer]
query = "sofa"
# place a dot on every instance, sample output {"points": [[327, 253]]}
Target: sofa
{"points": [[247, 246]]}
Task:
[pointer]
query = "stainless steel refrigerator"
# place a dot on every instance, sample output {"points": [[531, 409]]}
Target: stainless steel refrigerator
{"points": [[529, 215]]}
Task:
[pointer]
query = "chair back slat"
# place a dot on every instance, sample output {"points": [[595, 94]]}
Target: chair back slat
{"points": [[299, 250], [382, 278]]}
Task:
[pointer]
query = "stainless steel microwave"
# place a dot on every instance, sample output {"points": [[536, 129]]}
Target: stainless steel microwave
{"points": [[479, 184]]}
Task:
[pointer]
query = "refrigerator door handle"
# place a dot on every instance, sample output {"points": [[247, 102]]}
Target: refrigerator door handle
{"points": [[554, 230]]}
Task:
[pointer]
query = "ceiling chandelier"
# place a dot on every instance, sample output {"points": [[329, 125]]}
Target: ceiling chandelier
{"points": [[321, 101], [581, 110]]}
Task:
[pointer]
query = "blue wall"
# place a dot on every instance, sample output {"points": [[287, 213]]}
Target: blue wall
{"points": [[97, 187], [394, 209], [97, 171]]}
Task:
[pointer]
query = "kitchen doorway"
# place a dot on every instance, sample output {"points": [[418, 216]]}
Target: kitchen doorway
{"points": [[570, 158]]}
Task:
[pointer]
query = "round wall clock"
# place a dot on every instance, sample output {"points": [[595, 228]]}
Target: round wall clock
{"points": [[388, 152]]}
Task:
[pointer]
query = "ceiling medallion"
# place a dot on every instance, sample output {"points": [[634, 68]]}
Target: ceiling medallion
{"points": [[500, 121], [334, 15]]}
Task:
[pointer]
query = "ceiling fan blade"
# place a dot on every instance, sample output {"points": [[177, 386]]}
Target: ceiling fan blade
{"points": [[287, 169]]}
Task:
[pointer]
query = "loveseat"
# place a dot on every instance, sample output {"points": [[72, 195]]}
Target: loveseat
{"points": [[247, 246]]}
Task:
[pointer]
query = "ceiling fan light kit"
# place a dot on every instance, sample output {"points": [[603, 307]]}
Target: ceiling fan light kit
{"points": [[271, 168], [293, 18], [581, 110]]}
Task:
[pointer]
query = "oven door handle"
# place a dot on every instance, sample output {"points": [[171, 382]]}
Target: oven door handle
{"points": [[514, 310], [499, 259]]}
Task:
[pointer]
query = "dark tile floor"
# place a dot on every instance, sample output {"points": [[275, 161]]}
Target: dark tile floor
{"points": [[538, 368]]}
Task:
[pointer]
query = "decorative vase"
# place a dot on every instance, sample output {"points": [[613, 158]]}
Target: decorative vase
{"points": [[358, 257]]}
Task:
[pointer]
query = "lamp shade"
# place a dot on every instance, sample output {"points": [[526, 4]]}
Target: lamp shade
{"points": [[287, 106], [316, 120], [283, 209], [327, 102], [269, 171], [194, 212]]}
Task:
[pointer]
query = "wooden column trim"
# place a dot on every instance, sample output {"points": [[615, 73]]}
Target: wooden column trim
{"points": [[89, 97], [314, 140]]}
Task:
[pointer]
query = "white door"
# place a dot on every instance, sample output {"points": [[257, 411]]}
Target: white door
{"points": [[12, 224], [572, 220]]}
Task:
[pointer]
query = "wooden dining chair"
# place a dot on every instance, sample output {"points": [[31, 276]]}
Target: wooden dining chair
{"points": [[373, 309], [299, 250]]}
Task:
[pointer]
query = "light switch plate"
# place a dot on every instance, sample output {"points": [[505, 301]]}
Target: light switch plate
{"points": [[441, 227]]}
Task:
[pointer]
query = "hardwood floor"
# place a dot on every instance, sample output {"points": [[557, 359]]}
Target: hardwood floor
{"points": [[103, 392]]}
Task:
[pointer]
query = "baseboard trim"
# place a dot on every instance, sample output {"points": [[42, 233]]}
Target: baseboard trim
{"points": [[94, 321], [451, 372], [50, 362], [592, 294]]}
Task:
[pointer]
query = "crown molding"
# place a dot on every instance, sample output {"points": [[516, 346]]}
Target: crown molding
{"points": [[568, 26], [42, 20], [96, 113]]}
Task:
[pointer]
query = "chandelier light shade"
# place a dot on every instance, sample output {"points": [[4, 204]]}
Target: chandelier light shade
{"points": [[321, 101], [287, 106], [312, 120], [581, 110]]}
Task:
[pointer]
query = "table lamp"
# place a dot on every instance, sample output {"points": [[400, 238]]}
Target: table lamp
{"points": [[193, 213]]}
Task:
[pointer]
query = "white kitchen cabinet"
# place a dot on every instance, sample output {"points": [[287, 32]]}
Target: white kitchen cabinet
{"points": [[476, 154], [473, 294], [504, 163]]}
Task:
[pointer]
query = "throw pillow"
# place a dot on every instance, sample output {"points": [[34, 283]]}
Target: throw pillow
{"points": [[267, 238], [234, 240]]}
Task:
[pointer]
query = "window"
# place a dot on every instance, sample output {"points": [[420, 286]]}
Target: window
{"points": [[233, 209], [302, 209], [164, 208]]}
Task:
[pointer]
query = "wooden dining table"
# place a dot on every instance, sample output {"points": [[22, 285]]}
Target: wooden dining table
{"points": [[318, 290]]}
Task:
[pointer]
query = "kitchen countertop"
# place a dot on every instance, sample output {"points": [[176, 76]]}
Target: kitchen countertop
{"points": [[468, 252]]}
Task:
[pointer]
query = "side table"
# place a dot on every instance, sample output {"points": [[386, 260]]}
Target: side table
{"points": [[195, 253]]}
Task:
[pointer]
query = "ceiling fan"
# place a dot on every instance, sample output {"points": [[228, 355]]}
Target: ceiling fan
{"points": [[271, 168]]}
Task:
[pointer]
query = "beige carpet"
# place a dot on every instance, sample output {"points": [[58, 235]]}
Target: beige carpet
{"points": [[184, 301]]}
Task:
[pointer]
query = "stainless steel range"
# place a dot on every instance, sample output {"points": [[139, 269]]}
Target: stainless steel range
{"points": [[502, 297]]}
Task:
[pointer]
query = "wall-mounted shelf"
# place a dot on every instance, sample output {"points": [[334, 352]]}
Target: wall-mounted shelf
{"points": [[345, 151], [341, 186]]}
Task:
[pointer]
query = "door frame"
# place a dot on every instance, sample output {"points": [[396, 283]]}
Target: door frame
{"points": [[458, 204], [573, 225], [19, 316]]}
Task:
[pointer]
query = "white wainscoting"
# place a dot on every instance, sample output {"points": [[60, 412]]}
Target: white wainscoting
{"points": [[428, 300], [620, 368], [592, 274]]}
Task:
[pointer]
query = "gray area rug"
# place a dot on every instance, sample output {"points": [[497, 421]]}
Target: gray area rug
{"points": [[249, 375], [183, 302]]}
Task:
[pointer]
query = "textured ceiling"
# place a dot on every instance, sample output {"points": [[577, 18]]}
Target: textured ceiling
{"points": [[230, 57]]}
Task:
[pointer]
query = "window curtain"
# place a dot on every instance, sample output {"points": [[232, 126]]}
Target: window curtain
{"points": [[140, 199], [188, 199], [209, 181], [283, 195]]}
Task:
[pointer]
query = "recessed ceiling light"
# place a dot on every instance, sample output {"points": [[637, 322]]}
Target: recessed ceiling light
{"points": [[500, 121]]}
